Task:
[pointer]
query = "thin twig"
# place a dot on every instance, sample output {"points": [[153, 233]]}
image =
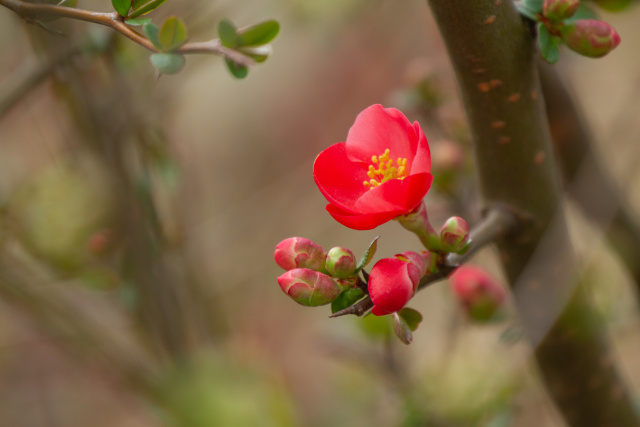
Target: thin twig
{"points": [[31, 12]]}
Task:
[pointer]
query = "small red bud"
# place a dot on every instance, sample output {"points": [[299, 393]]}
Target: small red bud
{"points": [[454, 235], [479, 294], [340, 262], [298, 252], [309, 288], [590, 38], [559, 10]]}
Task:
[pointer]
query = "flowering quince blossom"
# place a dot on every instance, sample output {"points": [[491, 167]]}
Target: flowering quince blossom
{"points": [[394, 281], [381, 172]]}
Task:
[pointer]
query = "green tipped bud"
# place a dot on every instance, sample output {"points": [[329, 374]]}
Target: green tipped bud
{"points": [[559, 10], [341, 262], [454, 235], [298, 252], [309, 288], [590, 38]]}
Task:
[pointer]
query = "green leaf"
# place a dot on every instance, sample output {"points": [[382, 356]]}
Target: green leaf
{"points": [[227, 33], [368, 255], [138, 21], [533, 5], [68, 3], [258, 34], [548, 45], [525, 11], [168, 63], [411, 317], [583, 12], [238, 71], [152, 31], [121, 6], [346, 299], [144, 7], [401, 329], [173, 33]]}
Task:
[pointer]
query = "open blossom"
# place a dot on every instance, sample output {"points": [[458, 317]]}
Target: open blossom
{"points": [[394, 281], [382, 170]]}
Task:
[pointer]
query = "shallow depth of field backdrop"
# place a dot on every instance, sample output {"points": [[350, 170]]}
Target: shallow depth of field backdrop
{"points": [[235, 179]]}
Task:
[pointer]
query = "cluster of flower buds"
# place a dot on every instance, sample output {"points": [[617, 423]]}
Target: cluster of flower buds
{"points": [[314, 277], [480, 295], [588, 37]]}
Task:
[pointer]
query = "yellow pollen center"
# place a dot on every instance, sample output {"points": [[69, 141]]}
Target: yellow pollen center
{"points": [[386, 169]]}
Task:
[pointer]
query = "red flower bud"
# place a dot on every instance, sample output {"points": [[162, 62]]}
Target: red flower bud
{"points": [[590, 38], [394, 281], [559, 10], [454, 235], [298, 252], [480, 294], [340, 262], [381, 172], [309, 288]]}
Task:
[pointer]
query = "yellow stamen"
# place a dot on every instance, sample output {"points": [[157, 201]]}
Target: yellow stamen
{"points": [[387, 169]]}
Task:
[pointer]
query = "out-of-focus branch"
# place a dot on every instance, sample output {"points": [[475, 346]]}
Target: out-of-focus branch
{"points": [[31, 12], [497, 223], [492, 51], [586, 180], [76, 319]]}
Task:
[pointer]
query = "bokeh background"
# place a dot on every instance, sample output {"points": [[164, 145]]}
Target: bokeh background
{"points": [[219, 170]]}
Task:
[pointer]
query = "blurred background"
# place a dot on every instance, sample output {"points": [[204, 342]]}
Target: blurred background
{"points": [[138, 220]]}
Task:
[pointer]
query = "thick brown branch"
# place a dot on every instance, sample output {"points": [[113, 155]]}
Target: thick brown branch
{"points": [[31, 12]]}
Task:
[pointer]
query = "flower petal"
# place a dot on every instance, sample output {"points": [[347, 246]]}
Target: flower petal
{"points": [[422, 160], [401, 195], [358, 221], [376, 129], [339, 179]]}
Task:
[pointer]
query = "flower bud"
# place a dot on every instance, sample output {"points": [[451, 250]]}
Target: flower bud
{"points": [[309, 288], [394, 281], [559, 10], [479, 294], [590, 38], [298, 252], [340, 262], [454, 235]]}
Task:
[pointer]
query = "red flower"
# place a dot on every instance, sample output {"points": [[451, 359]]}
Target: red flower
{"points": [[381, 172], [394, 281]]}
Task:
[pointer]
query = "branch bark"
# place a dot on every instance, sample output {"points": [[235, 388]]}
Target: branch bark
{"points": [[492, 51]]}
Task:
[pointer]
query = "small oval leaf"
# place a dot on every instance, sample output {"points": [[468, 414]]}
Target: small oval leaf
{"points": [[121, 6], [548, 45], [368, 254], [227, 33], [152, 31], [258, 34], [141, 7], [346, 299], [168, 63], [173, 33], [238, 71], [411, 317]]}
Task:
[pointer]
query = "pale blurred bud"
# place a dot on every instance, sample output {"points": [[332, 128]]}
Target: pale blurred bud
{"points": [[479, 294]]}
